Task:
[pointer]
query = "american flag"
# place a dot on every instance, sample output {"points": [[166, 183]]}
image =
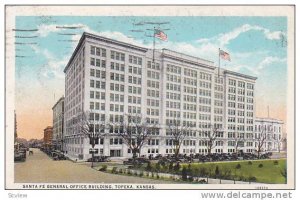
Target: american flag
{"points": [[224, 55], [160, 35]]}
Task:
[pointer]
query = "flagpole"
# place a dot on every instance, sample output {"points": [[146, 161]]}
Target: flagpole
{"points": [[219, 64]]}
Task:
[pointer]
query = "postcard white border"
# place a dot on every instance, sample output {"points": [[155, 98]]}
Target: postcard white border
{"points": [[149, 10]]}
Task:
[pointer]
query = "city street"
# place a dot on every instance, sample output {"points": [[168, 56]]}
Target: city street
{"points": [[39, 168]]}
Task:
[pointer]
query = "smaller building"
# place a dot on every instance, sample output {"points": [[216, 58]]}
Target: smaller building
{"points": [[48, 136], [58, 124], [272, 132]]}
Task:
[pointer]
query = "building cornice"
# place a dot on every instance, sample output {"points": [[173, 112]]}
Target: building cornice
{"points": [[240, 75], [196, 61], [60, 99], [103, 39], [268, 120]]}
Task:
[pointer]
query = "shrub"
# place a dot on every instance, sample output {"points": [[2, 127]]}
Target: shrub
{"points": [[275, 162], [260, 165], [252, 179], [189, 168], [157, 167], [164, 168], [249, 163], [152, 174], [135, 173], [163, 163], [202, 181], [149, 167], [217, 171], [191, 178], [171, 166], [241, 178], [203, 171], [103, 168], [238, 166], [114, 170], [157, 176], [147, 173], [184, 174], [177, 167], [129, 172], [141, 174], [121, 171]]}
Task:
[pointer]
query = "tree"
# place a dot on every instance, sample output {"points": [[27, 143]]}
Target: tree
{"points": [[260, 140], [278, 141], [238, 139], [184, 173], [176, 132], [211, 136], [135, 131], [90, 126], [283, 173]]}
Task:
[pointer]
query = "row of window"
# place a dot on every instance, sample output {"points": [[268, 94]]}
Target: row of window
{"points": [[98, 51], [173, 78], [97, 73], [97, 62], [97, 95], [97, 84], [151, 65], [152, 111], [134, 80], [117, 66], [97, 106], [117, 55], [135, 60], [152, 102], [134, 99]]}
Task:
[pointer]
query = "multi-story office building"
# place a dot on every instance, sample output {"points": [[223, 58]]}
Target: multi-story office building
{"points": [[272, 132], [112, 78], [48, 135], [58, 124]]}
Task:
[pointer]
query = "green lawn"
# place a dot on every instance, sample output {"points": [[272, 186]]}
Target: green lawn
{"points": [[269, 173]]}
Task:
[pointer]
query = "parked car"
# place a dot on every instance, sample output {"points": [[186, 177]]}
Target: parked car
{"points": [[19, 156], [99, 159], [132, 161]]}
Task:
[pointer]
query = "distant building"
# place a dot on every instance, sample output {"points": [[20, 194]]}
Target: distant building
{"points": [[272, 129], [58, 124], [15, 130], [48, 135]]}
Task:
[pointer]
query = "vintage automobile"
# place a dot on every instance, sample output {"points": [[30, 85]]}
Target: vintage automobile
{"points": [[99, 159], [19, 156]]}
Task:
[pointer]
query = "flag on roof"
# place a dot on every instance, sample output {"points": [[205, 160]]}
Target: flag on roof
{"points": [[160, 35], [224, 55]]}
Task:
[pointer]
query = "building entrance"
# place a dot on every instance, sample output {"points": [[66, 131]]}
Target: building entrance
{"points": [[115, 153]]}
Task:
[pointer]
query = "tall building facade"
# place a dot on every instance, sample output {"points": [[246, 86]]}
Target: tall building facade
{"points": [[110, 78], [272, 129], [58, 124], [48, 136]]}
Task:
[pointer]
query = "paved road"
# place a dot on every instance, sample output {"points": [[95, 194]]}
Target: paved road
{"points": [[39, 168]]}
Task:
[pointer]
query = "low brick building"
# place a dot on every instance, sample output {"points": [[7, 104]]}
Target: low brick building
{"points": [[48, 135]]}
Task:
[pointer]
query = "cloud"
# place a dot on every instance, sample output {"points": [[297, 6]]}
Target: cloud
{"points": [[53, 67], [206, 48], [224, 39], [45, 29], [268, 61], [262, 65]]}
